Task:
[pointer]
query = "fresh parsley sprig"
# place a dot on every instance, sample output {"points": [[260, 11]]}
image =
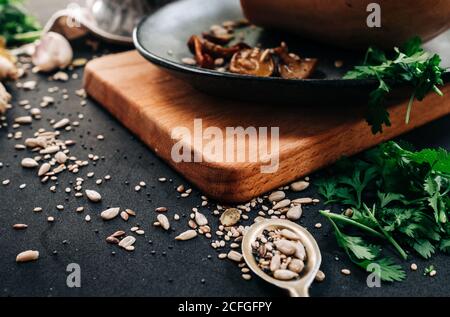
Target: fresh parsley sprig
{"points": [[16, 25], [410, 65], [410, 209]]}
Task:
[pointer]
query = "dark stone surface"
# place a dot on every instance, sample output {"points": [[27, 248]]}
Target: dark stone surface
{"points": [[175, 269]]}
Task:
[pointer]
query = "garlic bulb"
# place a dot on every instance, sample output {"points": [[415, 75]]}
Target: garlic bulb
{"points": [[5, 98], [52, 52], [7, 69]]}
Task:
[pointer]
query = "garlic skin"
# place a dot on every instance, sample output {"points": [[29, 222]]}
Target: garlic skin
{"points": [[5, 98], [7, 69], [52, 52]]}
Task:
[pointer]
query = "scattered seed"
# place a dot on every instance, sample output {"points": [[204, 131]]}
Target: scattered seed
{"points": [[277, 196], [161, 209], [346, 272], [29, 163], [110, 213], [93, 196], [414, 267], [246, 277], [187, 235], [20, 226], [124, 215], [234, 256], [299, 186], [164, 221], [27, 256], [230, 217], [320, 276], [127, 242], [294, 213]]}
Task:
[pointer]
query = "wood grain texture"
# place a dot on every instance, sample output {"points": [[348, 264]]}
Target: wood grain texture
{"points": [[152, 103]]}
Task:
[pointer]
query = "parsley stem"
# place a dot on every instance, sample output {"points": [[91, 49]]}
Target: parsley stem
{"points": [[438, 91], [346, 220], [386, 234], [408, 111]]}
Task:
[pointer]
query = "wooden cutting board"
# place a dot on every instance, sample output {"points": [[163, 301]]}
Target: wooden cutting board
{"points": [[152, 104]]}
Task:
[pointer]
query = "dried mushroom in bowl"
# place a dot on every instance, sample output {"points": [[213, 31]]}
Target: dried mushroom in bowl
{"points": [[213, 50]]}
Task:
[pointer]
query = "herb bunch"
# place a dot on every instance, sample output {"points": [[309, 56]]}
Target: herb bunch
{"points": [[16, 26], [409, 65], [409, 212]]}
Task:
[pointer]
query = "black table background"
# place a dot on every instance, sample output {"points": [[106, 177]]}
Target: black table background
{"points": [[180, 270]]}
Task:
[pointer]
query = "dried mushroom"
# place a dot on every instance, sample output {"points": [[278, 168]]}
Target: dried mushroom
{"points": [[214, 50], [291, 66], [253, 62], [219, 35]]}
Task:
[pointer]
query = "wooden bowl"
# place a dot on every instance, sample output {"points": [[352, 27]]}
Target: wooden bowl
{"points": [[344, 22]]}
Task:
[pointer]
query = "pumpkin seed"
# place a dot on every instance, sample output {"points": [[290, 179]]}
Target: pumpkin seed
{"points": [[230, 217]]}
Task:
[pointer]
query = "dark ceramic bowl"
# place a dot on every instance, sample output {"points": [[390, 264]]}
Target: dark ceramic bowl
{"points": [[161, 38]]}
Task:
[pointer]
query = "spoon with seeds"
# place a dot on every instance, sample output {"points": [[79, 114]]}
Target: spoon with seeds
{"points": [[296, 287]]}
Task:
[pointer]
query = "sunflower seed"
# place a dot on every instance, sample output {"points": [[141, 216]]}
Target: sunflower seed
{"points": [[87, 218], [27, 256], [140, 232], [246, 277], [93, 196], [44, 169], [61, 123], [127, 242], [277, 196], [23, 120], [112, 240], [234, 256], [346, 271], [110, 213], [161, 209], [50, 219], [37, 209], [286, 247], [187, 235], [124, 215], [164, 221], [20, 226], [294, 213], [284, 275], [296, 266], [6, 182], [320, 276], [130, 212], [29, 163], [282, 204], [60, 157], [288, 234], [200, 219], [299, 186], [303, 201]]}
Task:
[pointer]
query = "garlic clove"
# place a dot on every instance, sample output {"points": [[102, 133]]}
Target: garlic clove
{"points": [[7, 69], [5, 97], [52, 52]]}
